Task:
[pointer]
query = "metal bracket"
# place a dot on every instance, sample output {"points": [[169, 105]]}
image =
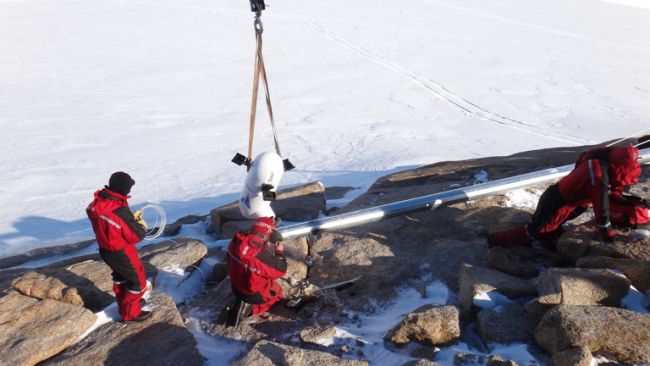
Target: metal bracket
{"points": [[287, 165], [267, 194], [240, 159]]}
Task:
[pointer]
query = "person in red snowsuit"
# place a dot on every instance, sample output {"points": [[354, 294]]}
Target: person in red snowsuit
{"points": [[598, 173], [255, 260], [117, 231]]}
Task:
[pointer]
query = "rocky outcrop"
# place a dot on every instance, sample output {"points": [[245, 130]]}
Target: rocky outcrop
{"points": [[636, 270], [160, 340], [578, 356], [93, 281], [623, 247], [468, 359], [175, 227], [506, 324], [575, 243], [41, 253], [300, 203], [266, 353], [181, 252], [421, 362], [522, 261], [429, 325], [618, 334], [573, 286], [33, 330], [43, 287], [474, 280], [318, 335]]}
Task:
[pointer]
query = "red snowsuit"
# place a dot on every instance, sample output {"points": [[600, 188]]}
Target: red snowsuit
{"points": [[117, 232], [597, 172], [253, 265]]}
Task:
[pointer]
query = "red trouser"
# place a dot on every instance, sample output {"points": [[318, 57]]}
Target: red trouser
{"points": [[129, 279], [273, 296]]}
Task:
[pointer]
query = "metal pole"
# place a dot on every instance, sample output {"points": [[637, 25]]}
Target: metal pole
{"points": [[432, 201]]}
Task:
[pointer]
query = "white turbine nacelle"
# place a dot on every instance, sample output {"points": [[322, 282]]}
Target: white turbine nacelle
{"points": [[265, 171]]}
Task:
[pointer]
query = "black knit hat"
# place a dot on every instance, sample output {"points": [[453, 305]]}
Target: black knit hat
{"points": [[121, 183]]}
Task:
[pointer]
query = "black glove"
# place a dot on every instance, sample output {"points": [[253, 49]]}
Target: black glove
{"points": [[275, 236]]}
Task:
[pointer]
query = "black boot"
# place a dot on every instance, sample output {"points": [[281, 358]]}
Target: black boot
{"points": [[238, 311], [144, 315]]}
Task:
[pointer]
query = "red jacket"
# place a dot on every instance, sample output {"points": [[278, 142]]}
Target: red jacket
{"points": [[597, 172], [253, 265], [113, 222]]}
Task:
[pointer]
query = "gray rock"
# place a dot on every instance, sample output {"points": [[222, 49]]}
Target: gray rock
{"points": [[91, 277], [506, 324], [296, 251], [175, 227], [342, 256], [43, 287], [575, 243], [618, 334], [317, 335], [266, 353], [574, 286], [41, 253], [578, 356], [230, 228], [636, 270], [521, 261], [623, 247], [93, 281], [421, 362], [474, 280], [160, 340], [468, 359], [300, 203], [181, 252], [33, 330], [428, 324]]}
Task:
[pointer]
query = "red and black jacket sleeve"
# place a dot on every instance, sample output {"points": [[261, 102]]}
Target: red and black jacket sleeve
{"points": [[598, 172], [132, 231], [270, 264]]}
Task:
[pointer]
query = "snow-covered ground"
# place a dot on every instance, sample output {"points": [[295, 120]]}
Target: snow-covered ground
{"points": [[161, 89]]}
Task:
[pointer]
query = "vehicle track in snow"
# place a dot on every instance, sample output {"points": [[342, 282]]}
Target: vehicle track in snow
{"points": [[465, 105]]}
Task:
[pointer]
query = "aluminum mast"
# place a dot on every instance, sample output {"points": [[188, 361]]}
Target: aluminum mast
{"points": [[432, 201]]}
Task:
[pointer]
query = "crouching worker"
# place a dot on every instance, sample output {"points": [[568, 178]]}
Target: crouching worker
{"points": [[117, 231], [255, 260], [590, 182]]}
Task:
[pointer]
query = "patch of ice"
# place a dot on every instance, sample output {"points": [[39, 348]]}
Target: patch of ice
{"points": [[109, 314], [481, 176], [490, 300], [635, 301], [522, 198], [181, 285], [640, 234], [217, 351]]}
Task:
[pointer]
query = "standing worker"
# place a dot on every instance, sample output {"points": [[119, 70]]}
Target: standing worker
{"points": [[117, 230], [255, 260], [590, 182]]}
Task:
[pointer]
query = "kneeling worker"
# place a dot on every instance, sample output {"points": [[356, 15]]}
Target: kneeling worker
{"points": [[255, 260], [592, 181]]}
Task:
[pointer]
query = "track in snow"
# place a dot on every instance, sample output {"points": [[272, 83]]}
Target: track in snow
{"points": [[440, 91]]}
